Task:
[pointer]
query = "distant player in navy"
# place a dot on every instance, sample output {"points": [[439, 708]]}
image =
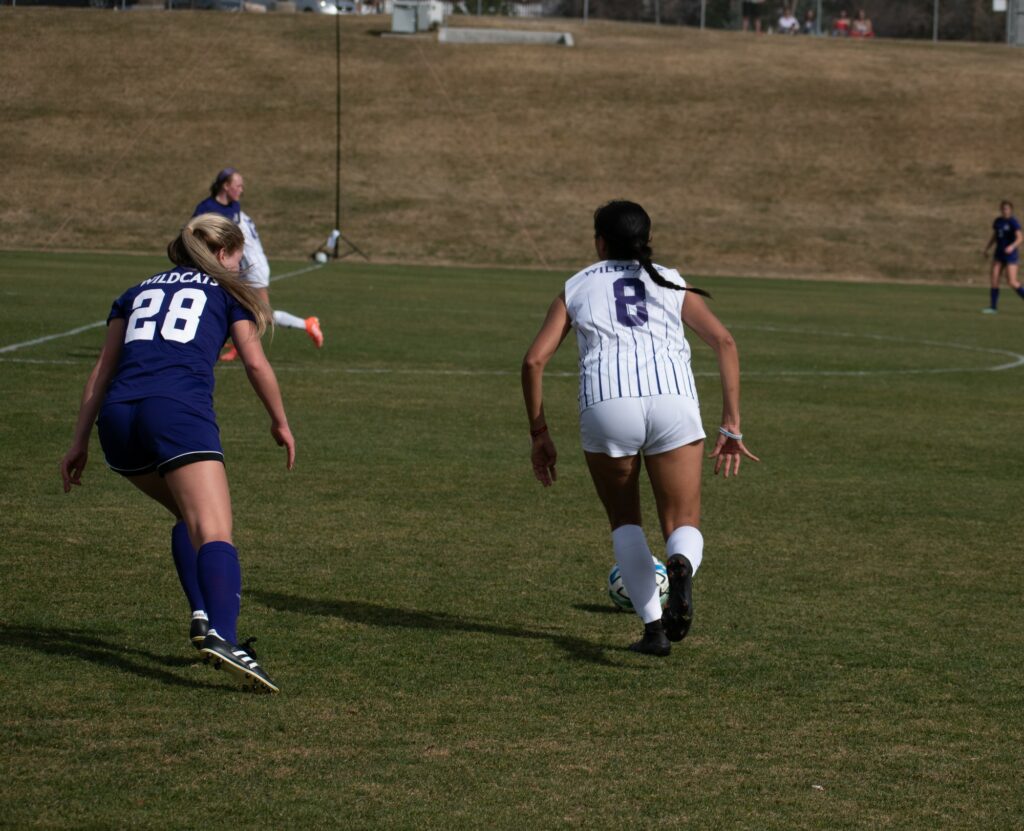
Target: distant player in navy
{"points": [[637, 397], [225, 193], [1007, 238], [152, 391]]}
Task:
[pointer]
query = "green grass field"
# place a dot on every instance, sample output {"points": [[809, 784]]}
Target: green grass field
{"points": [[438, 622]]}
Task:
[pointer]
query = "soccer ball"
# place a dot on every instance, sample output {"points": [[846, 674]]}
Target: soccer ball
{"points": [[320, 257], [620, 597]]}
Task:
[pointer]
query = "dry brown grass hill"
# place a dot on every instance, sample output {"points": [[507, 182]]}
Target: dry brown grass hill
{"points": [[754, 155]]}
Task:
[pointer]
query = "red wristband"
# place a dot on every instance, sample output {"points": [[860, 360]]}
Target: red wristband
{"points": [[538, 432]]}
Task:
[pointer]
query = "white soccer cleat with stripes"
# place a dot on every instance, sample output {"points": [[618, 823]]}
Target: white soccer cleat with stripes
{"points": [[239, 661]]}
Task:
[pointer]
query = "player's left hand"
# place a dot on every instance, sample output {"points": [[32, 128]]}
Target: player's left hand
{"points": [[72, 466], [543, 457], [728, 453], [283, 436]]}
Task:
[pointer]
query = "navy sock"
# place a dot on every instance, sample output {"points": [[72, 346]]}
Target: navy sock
{"points": [[220, 578], [185, 562], [993, 297], [1020, 291]]}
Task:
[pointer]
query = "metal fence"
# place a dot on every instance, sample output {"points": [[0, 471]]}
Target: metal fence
{"points": [[927, 19], [975, 20]]}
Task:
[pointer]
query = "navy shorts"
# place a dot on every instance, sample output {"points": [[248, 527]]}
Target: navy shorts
{"points": [[158, 434], [1008, 259]]}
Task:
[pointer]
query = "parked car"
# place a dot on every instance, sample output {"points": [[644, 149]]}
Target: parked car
{"points": [[216, 5], [326, 6]]}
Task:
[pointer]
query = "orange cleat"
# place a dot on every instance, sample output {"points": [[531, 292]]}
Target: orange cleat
{"points": [[230, 354], [313, 330]]}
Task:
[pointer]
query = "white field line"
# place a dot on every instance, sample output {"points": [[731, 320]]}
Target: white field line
{"points": [[1018, 360], [79, 329], [36, 341], [46, 362], [297, 272]]}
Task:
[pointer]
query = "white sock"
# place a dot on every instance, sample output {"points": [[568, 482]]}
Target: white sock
{"points": [[199, 615], [687, 541], [289, 321], [637, 568]]}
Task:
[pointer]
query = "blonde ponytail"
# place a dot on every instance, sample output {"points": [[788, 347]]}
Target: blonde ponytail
{"points": [[197, 246]]}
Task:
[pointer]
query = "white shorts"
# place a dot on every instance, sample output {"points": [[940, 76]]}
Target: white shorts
{"points": [[626, 426]]}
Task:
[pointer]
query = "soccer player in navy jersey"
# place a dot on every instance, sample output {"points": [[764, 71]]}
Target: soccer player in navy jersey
{"points": [[151, 397], [225, 193], [1007, 239], [637, 396]]}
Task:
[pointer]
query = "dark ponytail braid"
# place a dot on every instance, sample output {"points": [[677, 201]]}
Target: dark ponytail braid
{"points": [[626, 230], [642, 252]]}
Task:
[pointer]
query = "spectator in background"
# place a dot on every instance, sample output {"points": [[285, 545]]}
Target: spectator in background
{"points": [[861, 26], [752, 15], [841, 25], [810, 25], [788, 24]]}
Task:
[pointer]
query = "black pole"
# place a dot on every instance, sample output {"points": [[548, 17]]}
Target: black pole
{"points": [[340, 238], [337, 143]]}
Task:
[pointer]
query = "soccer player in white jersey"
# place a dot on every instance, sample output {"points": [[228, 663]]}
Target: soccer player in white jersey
{"points": [[225, 193], [638, 398]]}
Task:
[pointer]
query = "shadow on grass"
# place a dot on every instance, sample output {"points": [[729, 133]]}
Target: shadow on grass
{"points": [[598, 608], [85, 646], [372, 615]]}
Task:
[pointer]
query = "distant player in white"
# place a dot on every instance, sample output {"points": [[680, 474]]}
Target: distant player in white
{"points": [[225, 193], [254, 261], [637, 396]]}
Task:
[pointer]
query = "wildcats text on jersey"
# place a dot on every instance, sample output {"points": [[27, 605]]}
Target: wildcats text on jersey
{"points": [[609, 268], [169, 277]]}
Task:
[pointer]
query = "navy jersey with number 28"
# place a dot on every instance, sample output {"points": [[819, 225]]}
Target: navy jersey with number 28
{"points": [[176, 324]]}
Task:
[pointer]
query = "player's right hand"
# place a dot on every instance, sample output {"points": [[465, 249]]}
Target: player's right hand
{"points": [[284, 438], [543, 457], [72, 466]]}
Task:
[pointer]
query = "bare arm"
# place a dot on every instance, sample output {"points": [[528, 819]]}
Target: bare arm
{"points": [[991, 242], [264, 382], [709, 328], [553, 331], [74, 461], [1017, 239]]}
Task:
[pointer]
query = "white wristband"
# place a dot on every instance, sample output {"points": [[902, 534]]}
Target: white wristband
{"points": [[730, 435]]}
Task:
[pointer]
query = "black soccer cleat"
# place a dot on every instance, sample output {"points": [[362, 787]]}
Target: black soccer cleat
{"points": [[197, 631], [654, 641], [239, 661], [678, 616]]}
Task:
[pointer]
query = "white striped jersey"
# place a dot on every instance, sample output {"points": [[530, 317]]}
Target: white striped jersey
{"points": [[254, 261], [629, 333]]}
